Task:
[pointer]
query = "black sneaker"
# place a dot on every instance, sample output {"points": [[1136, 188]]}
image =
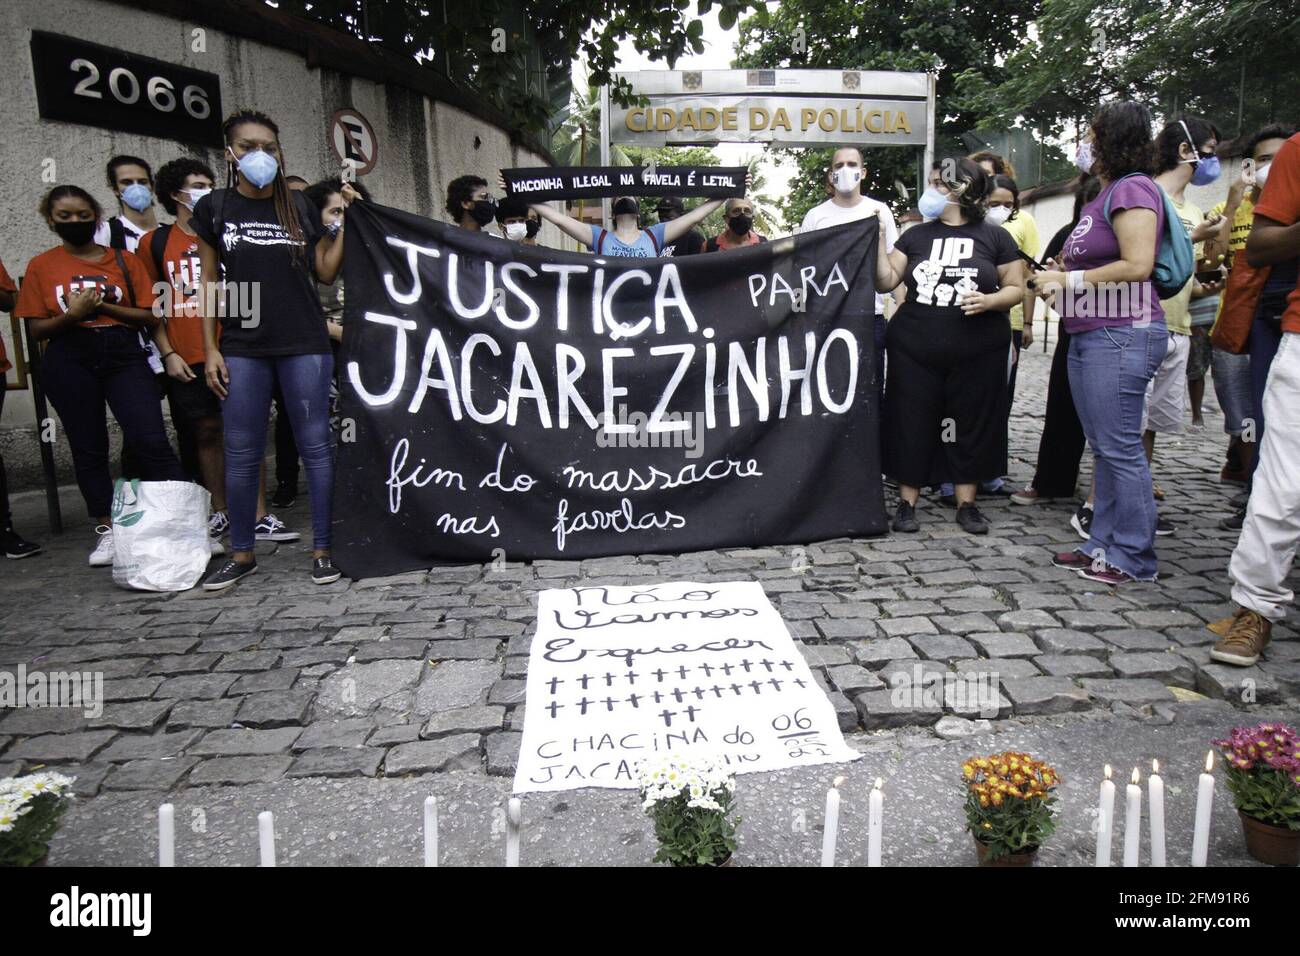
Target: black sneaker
{"points": [[1235, 522], [324, 572], [15, 546], [1081, 522], [1164, 526], [285, 496], [228, 574], [1239, 500], [970, 519], [905, 519]]}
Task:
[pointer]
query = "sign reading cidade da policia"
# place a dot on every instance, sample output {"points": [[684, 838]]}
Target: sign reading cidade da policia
{"points": [[782, 107]]}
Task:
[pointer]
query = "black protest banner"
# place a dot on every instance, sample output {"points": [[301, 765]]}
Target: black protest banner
{"points": [[510, 401], [541, 183]]}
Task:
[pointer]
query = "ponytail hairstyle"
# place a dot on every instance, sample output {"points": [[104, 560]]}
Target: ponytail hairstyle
{"points": [[967, 183], [285, 210]]}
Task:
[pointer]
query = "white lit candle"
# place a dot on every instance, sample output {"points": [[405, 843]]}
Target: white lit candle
{"points": [[430, 831], [166, 835], [1156, 792], [1204, 804], [514, 820], [1105, 819], [1133, 820], [266, 837], [831, 827], [875, 823]]}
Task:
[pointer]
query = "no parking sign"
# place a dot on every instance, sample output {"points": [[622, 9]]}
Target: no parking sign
{"points": [[352, 139]]}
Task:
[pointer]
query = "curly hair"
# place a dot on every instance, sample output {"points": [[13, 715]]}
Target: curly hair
{"points": [[968, 184], [68, 192], [1121, 140], [319, 193], [459, 190], [171, 178]]}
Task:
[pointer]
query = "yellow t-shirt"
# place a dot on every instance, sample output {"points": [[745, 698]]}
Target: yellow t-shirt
{"points": [[1241, 223], [1178, 316], [1024, 231]]}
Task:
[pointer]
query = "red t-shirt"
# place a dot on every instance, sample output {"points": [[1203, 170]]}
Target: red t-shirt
{"points": [[1280, 201], [6, 285], [184, 319], [56, 274]]}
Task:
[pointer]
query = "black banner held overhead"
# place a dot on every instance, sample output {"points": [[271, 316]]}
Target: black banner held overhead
{"points": [[503, 400], [542, 183]]}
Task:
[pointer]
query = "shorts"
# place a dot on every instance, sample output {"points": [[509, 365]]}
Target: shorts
{"points": [[1232, 388], [1198, 358], [193, 400], [1167, 391]]}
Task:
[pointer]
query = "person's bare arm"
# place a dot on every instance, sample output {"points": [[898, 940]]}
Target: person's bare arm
{"points": [[1271, 242], [130, 315], [574, 228], [214, 367], [1135, 229], [890, 266], [1011, 291], [80, 305]]}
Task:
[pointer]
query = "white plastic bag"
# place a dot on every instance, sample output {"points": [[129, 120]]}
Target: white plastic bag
{"points": [[160, 534]]}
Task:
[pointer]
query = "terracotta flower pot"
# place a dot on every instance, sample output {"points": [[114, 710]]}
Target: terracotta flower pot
{"points": [[1011, 859], [1269, 844]]}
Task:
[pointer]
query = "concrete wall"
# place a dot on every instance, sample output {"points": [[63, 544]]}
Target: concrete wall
{"points": [[423, 143]]}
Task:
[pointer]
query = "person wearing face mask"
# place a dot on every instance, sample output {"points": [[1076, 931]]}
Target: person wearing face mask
{"points": [[469, 204], [518, 223], [131, 180], [1241, 371], [670, 208], [1024, 229], [260, 236], [89, 302], [945, 401], [739, 215], [848, 204], [627, 239], [1108, 304], [1184, 155]]}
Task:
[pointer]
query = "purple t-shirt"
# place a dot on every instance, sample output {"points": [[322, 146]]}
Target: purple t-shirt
{"points": [[1093, 244]]}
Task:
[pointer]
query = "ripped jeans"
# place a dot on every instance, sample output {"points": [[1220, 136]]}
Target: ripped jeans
{"points": [[305, 382]]}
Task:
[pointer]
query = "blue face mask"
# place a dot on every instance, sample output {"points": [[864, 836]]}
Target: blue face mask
{"points": [[1206, 171], [138, 197], [932, 203], [258, 167], [1083, 158]]}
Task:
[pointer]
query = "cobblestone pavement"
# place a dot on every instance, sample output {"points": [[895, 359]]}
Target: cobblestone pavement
{"points": [[423, 673]]}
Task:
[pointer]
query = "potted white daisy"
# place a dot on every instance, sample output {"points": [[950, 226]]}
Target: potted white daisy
{"points": [[691, 800], [30, 810]]}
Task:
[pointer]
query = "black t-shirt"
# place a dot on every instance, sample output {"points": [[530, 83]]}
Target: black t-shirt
{"points": [[254, 248], [688, 245], [945, 262]]}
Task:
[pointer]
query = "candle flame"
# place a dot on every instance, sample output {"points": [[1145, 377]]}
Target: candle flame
{"points": [[1107, 771], [836, 782], [1209, 761], [879, 783], [1155, 767], [1136, 776]]}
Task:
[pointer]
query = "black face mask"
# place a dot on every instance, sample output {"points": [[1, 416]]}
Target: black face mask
{"points": [[740, 225], [484, 211], [626, 207], [77, 233], [534, 227]]}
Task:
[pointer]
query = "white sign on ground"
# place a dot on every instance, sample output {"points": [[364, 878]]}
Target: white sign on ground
{"points": [[620, 674]]}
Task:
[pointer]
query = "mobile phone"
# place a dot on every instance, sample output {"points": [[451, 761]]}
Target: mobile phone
{"points": [[1031, 260]]}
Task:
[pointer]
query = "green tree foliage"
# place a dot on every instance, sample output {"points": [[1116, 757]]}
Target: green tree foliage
{"points": [[948, 37], [1232, 62]]}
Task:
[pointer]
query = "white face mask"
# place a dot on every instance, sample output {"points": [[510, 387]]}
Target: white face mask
{"points": [[193, 196], [847, 179], [998, 214], [1261, 174], [515, 231]]}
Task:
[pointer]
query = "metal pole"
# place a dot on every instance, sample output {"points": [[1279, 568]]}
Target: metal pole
{"points": [[929, 126], [604, 149]]}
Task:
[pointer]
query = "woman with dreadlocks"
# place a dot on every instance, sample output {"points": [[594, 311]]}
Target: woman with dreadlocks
{"points": [[267, 244]]}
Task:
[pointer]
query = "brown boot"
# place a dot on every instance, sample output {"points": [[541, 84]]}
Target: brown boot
{"points": [[1246, 636]]}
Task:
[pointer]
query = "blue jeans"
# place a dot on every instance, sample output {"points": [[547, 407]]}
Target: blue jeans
{"points": [[305, 383], [1265, 336], [83, 371], [1109, 372]]}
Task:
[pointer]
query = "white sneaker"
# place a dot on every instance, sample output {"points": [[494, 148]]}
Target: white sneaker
{"points": [[215, 547], [102, 556]]}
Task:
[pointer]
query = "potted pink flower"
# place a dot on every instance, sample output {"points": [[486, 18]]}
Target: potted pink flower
{"points": [[1264, 777]]}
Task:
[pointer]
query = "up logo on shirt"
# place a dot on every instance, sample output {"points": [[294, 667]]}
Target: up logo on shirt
{"points": [[951, 250], [111, 293]]}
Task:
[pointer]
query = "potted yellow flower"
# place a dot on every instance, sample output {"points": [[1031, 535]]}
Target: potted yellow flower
{"points": [[1009, 806]]}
